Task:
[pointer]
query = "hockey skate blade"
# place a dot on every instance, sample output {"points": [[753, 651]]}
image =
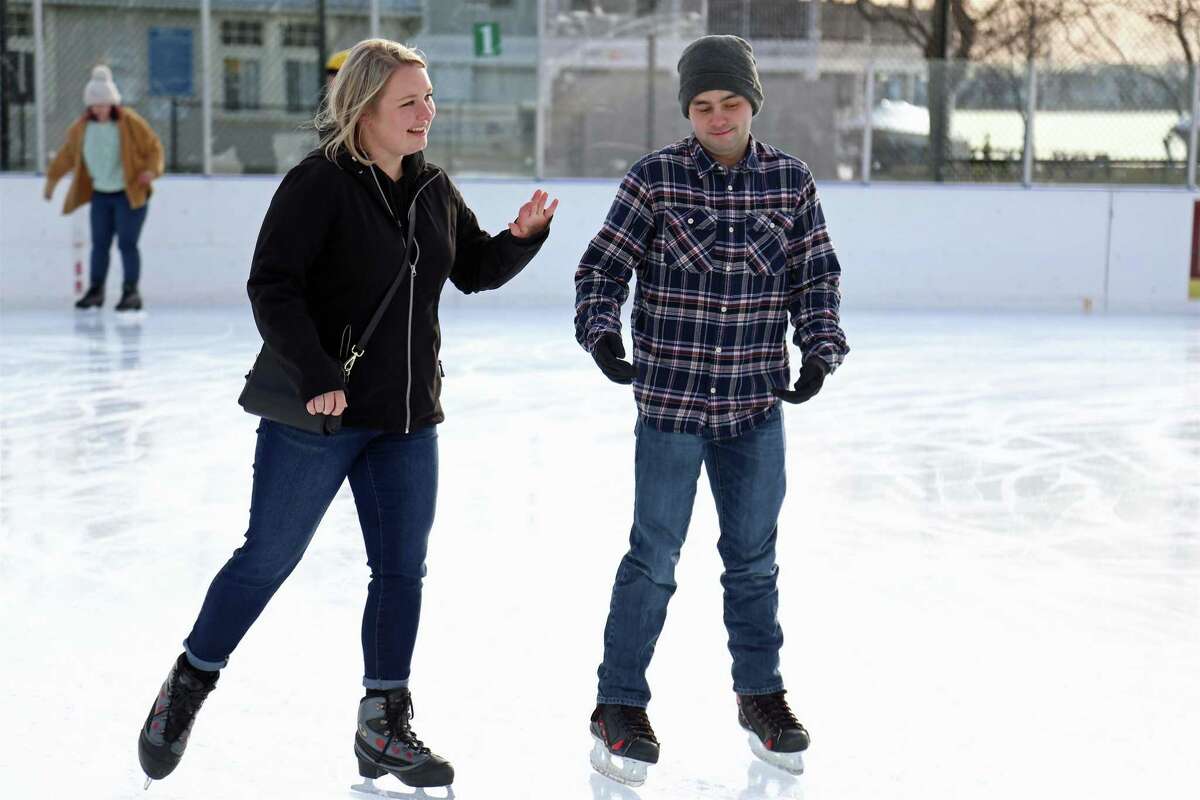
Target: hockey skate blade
{"points": [[628, 771], [369, 789], [791, 763]]}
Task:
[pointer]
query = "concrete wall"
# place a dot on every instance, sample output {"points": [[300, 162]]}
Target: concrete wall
{"points": [[901, 246]]}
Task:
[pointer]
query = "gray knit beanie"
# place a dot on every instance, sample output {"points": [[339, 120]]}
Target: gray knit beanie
{"points": [[719, 62]]}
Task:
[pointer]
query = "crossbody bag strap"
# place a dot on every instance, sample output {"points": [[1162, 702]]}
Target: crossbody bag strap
{"points": [[358, 350]]}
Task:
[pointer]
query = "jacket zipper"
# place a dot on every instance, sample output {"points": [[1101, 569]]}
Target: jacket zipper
{"points": [[411, 293], [412, 289]]}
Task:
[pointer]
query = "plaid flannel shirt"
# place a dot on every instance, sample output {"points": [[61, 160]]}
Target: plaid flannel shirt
{"points": [[723, 256]]}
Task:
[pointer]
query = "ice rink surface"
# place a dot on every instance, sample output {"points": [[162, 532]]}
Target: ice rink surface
{"points": [[990, 567]]}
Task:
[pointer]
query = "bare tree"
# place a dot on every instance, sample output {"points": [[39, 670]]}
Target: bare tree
{"points": [[1177, 22], [945, 30], [1019, 33], [1180, 20], [1013, 32]]}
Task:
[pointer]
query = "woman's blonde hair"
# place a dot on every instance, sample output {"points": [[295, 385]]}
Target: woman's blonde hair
{"points": [[356, 88]]}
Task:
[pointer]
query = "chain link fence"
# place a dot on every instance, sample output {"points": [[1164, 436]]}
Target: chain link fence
{"points": [[1018, 91]]}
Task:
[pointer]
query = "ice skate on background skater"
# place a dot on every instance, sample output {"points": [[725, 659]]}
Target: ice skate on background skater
{"points": [[728, 242]]}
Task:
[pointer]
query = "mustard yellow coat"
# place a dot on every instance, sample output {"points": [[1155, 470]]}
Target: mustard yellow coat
{"points": [[141, 151]]}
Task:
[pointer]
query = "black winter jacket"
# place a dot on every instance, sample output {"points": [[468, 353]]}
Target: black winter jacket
{"points": [[327, 252]]}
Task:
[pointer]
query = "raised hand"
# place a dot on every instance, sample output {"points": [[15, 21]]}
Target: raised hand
{"points": [[533, 217]]}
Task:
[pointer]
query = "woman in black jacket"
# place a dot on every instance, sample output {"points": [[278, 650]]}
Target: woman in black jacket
{"points": [[329, 249]]}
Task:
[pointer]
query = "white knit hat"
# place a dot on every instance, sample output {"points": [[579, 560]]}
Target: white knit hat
{"points": [[101, 90]]}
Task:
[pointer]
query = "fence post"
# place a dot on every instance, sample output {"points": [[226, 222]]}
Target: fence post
{"points": [[39, 85], [1194, 129], [651, 111], [375, 27], [1030, 112], [868, 122], [542, 99], [206, 110]]}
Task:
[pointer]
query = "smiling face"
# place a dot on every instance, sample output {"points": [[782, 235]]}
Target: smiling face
{"points": [[721, 121], [398, 124]]}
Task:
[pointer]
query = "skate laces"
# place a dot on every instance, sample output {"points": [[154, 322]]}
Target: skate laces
{"points": [[636, 723], [182, 706], [398, 713], [775, 712]]}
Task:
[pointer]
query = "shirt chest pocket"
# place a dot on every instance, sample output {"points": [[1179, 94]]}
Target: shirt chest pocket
{"points": [[688, 238], [766, 241]]}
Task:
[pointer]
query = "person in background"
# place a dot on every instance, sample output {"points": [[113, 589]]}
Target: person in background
{"points": [[113, 156], [333, 64]]}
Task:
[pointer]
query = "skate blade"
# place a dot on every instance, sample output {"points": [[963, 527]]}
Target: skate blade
{"points": [[791, 763], [368, 788], [628, 771], [604, 788]]}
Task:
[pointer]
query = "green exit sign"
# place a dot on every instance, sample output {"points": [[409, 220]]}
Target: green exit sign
{"points": [[487, 39]]}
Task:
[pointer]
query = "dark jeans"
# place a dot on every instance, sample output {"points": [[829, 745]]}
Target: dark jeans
{"points": [[746, 474], [296, 475], [111, 214]]}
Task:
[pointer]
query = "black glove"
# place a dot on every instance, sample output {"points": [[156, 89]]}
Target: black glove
{"points": [[812, 375], [608, 353]]}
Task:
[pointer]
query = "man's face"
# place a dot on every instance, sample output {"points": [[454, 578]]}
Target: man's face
{"points": [[721, 121]]}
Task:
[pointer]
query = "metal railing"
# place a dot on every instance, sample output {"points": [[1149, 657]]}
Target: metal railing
{"points": [[560, 88]]}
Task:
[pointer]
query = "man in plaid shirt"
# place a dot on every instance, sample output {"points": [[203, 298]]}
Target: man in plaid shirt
{"points": [[727, 239]]}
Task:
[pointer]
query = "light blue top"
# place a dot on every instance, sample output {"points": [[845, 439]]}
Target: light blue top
{"points": [[102, 155]]}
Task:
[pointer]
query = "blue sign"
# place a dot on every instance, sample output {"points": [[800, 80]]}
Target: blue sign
{"points": [[171, 62]]}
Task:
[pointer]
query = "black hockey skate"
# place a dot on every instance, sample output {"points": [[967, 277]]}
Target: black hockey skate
{"points": [[776, 736], [386, 744], [130, 299], [625, 743], [93, 298], [164, 735]]}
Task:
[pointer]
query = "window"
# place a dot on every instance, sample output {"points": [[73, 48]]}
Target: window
{"points": [[241, 31], [300, 34], [241, 84], [20, 22], [500, 3], [303, 85]]}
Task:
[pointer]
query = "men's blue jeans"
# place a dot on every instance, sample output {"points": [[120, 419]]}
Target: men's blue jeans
{"points": [[296, 475], [111, 214], [746, 474]]}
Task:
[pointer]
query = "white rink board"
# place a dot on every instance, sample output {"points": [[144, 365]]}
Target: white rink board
{"points": [[902, 246]]}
